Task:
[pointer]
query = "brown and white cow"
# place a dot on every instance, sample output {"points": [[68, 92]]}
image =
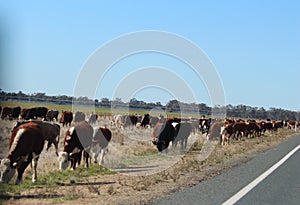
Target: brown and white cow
{"points": [[26, 144], [50, 131], [78, 139], [226, 132], [101, 140], [291, 124]]}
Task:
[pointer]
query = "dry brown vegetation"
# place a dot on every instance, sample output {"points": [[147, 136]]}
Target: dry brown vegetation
{"points": [[142, 175]]}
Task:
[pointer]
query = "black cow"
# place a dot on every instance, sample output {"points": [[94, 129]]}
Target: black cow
{"points": [[6, 112], [163, 133], [146, 120], [34, 113], [182, 132], [11, 113], [51, 115], [15, 113], [66, 118]]}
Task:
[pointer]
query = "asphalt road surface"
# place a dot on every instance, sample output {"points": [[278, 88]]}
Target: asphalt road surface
{"points": [[270, 178]]}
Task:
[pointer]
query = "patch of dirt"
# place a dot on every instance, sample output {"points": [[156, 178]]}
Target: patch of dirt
{"points": [[142, 183]]}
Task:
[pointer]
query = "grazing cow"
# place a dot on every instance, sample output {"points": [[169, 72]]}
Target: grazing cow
{"points": [[226, 132], [93, 119], [101, 139], [153, 121], [214, 132], [252, 129], [182, 132], [145, 120], [204, 125], [34, 113], [239, 129], [26, 144], [278, 124], [51, 115], [79, 117], [11, 113], [15, 113], [291, 124], [50, 131], [129, 120], [78, 139], [194, 125], [66, 118], [6, 112], [163, 134], [118, 121], [266, 126]]}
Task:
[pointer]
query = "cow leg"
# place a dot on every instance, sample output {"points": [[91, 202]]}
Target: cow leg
{"points": [[185, 143], [56, 147], [86, 158], [49, 144], [34, 164], [95, 150], [21, 170], [73, 164], [182, 143], [101, 156]]}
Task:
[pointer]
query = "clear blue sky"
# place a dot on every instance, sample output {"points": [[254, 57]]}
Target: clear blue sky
{"points": [[254, 45]]}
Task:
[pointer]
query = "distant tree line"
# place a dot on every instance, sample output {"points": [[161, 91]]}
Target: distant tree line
{"points": [[238, 111]]}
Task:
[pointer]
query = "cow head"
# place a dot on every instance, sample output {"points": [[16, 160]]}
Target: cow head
{"points": [[6, 171], [64, 162]]}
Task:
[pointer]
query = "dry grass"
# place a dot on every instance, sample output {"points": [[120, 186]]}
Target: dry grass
{"points": [[144, 173]]}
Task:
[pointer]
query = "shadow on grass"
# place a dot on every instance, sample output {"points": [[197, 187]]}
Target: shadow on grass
{"points": [[30, 196], [83, 183]]}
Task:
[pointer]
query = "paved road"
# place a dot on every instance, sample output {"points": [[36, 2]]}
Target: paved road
{"points": [[281, 187]]}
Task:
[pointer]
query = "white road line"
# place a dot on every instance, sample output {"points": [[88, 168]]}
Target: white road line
{"points": [[255, 182]]}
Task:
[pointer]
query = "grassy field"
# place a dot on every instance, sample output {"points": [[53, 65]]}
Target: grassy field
{"points": [[92, 109], [126, 152], [132, 163]]}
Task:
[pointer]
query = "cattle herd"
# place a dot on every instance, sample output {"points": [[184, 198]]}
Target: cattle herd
{"points": [[36, 125]]}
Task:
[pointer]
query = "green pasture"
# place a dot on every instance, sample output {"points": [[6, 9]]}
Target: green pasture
{"points": [[92, 109]]}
